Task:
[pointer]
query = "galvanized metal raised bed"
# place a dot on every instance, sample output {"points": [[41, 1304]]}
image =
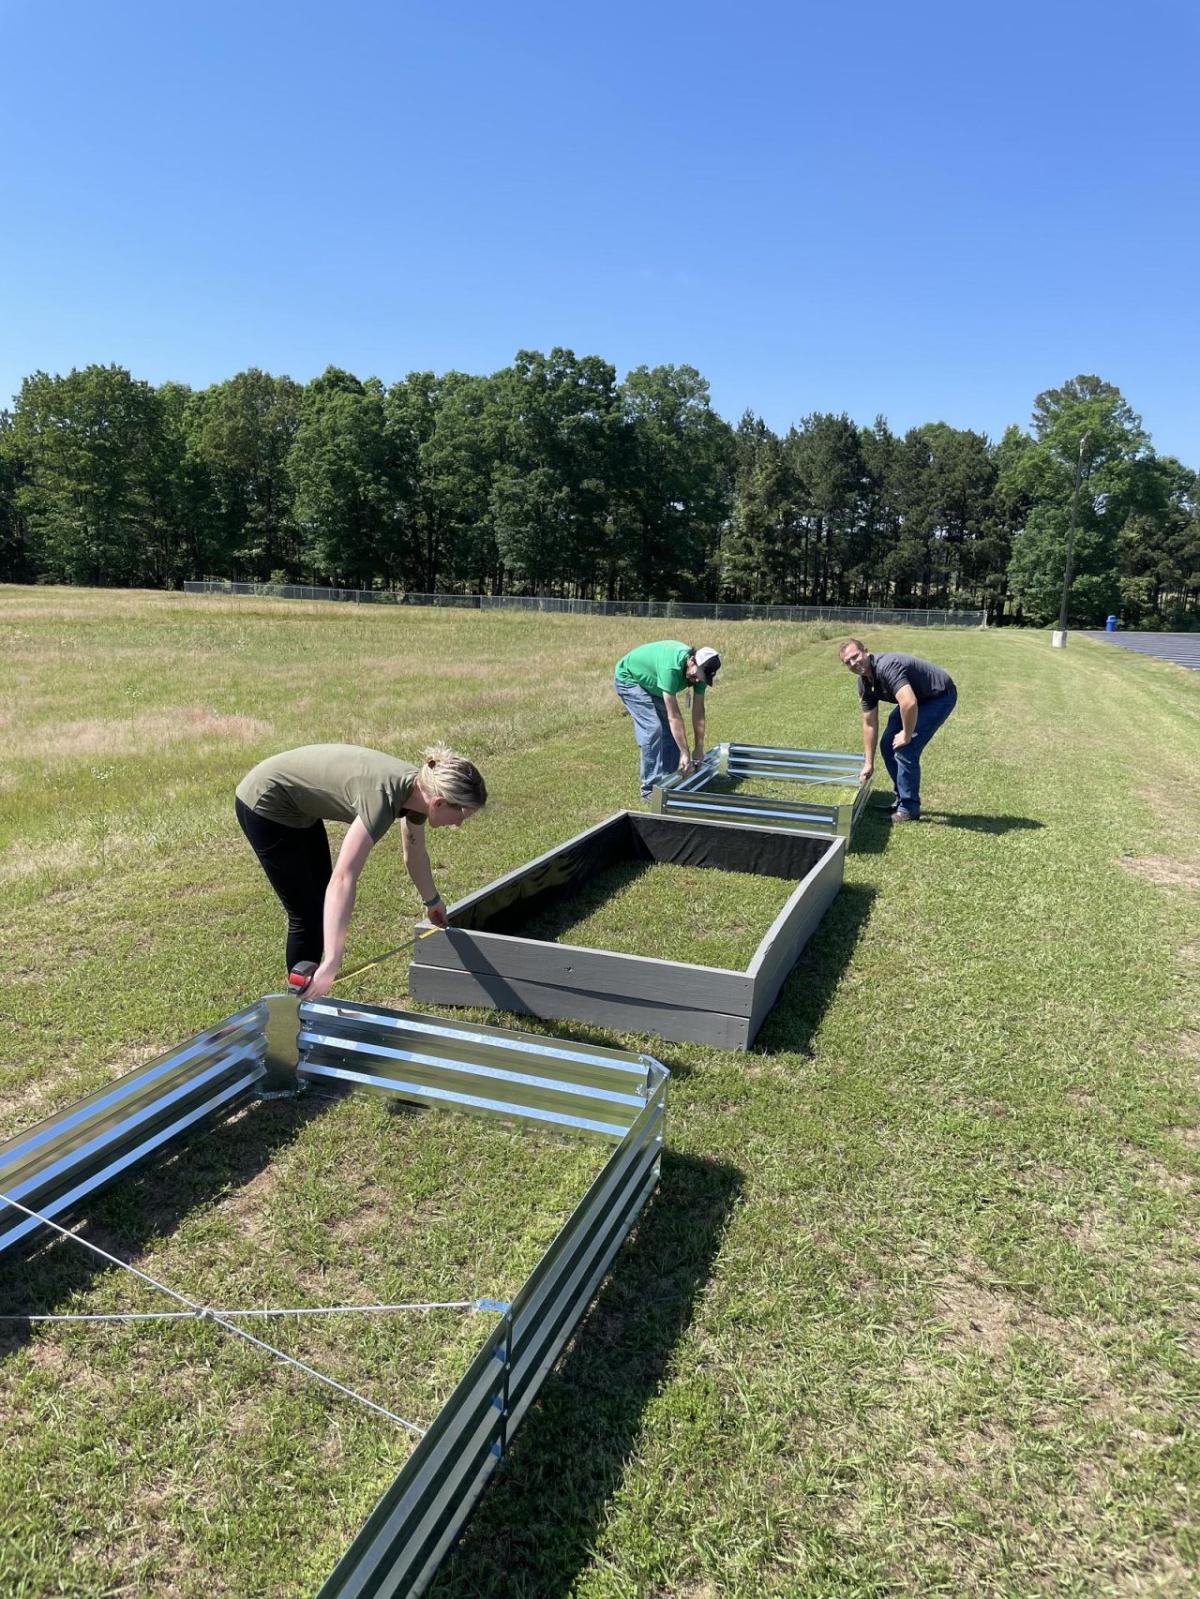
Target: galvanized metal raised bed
{"points": [[485, 959], [612, 1095], [708, 791]]}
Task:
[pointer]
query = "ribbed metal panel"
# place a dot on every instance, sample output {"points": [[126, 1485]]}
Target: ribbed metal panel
{"points": [[616, 1095], [56, 1164], [398, 1550], [817, 760], [435, 1491], [543, 1322], [694, 796], [487, 1071]]}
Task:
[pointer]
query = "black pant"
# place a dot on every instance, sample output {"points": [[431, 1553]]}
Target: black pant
{"points": [[298, 867]]}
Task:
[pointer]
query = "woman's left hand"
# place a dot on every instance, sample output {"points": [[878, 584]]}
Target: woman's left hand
{"points": [[437, 914]]}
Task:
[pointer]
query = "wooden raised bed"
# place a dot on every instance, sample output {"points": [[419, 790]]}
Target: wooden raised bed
{"points": [[485, 960]]}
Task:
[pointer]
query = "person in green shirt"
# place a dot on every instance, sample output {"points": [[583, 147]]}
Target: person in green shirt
{"points": [[283, 803], [648, 681]]}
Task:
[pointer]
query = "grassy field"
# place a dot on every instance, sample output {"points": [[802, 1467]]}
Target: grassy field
{"points": [[915, 1311], [687, 913]]}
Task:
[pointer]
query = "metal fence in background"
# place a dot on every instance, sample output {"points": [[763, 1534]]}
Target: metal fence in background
{"points": [[867, 615]]}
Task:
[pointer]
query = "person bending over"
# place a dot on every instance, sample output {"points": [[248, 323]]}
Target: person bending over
{"points": [[648, 681], [923, 695], [284, 802]]}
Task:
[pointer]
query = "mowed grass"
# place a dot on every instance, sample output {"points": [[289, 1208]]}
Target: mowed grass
{"points": [[794, 791], [915, 1311], [699, 915]]}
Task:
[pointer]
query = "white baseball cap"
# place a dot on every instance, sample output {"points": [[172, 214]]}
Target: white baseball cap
{"points": [[708, 662]]}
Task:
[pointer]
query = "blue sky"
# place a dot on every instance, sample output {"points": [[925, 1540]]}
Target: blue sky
{"points": [[931, 211]]}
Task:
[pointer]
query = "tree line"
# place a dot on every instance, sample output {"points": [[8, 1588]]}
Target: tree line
{"points": [[552, 477]]}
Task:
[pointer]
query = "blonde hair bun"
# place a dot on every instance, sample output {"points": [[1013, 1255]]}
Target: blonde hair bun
{"points": [[454, 778]]}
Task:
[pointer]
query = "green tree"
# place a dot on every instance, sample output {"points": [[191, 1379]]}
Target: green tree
{"points": [[558, 471], [185, 539], [457, 461], [753, 547], [16, 558], [678, 482], [350, 483], [531, 516], [91, 443], [410, 412], [1159, 545], [239, 434], [881, 516], [1089, 422], [949, 533], [825, 458]]}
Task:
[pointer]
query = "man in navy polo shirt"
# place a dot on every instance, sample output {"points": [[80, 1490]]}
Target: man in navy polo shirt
{"points": [[923, 696]]}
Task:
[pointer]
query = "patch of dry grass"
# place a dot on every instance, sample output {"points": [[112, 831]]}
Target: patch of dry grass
{"points": [[137, 735], [1161, 869]]}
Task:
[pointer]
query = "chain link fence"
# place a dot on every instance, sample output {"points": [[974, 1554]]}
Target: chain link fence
{"points": [[709, 612]]}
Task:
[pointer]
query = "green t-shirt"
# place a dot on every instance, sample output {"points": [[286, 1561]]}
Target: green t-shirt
{"points": [[331, 783], [659, 668]]}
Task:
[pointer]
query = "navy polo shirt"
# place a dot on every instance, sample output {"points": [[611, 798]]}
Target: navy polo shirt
{"points": [[890, 672]]}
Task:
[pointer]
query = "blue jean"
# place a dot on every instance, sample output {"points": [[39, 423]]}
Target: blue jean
{"points": [[660, 753], [904, 764]]}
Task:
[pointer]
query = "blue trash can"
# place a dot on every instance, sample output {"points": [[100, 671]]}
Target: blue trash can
{"points": [[1111, 625]]}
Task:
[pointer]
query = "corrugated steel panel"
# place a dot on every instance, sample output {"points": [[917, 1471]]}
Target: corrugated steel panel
{"points": [[417, 1520], [55, 1165], [617, 1095], [694, 796], [485, 1071]]}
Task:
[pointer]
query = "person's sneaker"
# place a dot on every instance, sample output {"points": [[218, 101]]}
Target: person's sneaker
{"points": [[901, 815], [883, 804]]}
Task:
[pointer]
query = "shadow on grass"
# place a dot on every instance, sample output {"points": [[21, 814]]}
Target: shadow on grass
{"points": [[793, 1021], [873, 831], [537, 1524], [981, 824], [41, 1277], [554, 922]]}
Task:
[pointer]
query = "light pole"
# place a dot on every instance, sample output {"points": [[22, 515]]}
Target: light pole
{"points": [[1060, 638]]}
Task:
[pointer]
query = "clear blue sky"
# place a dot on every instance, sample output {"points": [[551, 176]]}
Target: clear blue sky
{"points": [[932, 211]]}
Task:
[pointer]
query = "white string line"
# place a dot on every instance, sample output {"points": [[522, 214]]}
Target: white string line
{"points": [[337, 1310], [115, 1315], [304, 1310], [183, 1299], [204, 1313]]}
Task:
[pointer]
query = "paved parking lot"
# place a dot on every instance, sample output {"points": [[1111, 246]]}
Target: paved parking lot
{"points": [[1182, 648]]}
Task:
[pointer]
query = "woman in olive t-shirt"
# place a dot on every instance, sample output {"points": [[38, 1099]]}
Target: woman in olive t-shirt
{"points": [[284, 803]]}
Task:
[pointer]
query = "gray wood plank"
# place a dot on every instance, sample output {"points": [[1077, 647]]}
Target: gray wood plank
{"points": [[794, 926], [594, 971], [480, 962], [440, 986]]}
